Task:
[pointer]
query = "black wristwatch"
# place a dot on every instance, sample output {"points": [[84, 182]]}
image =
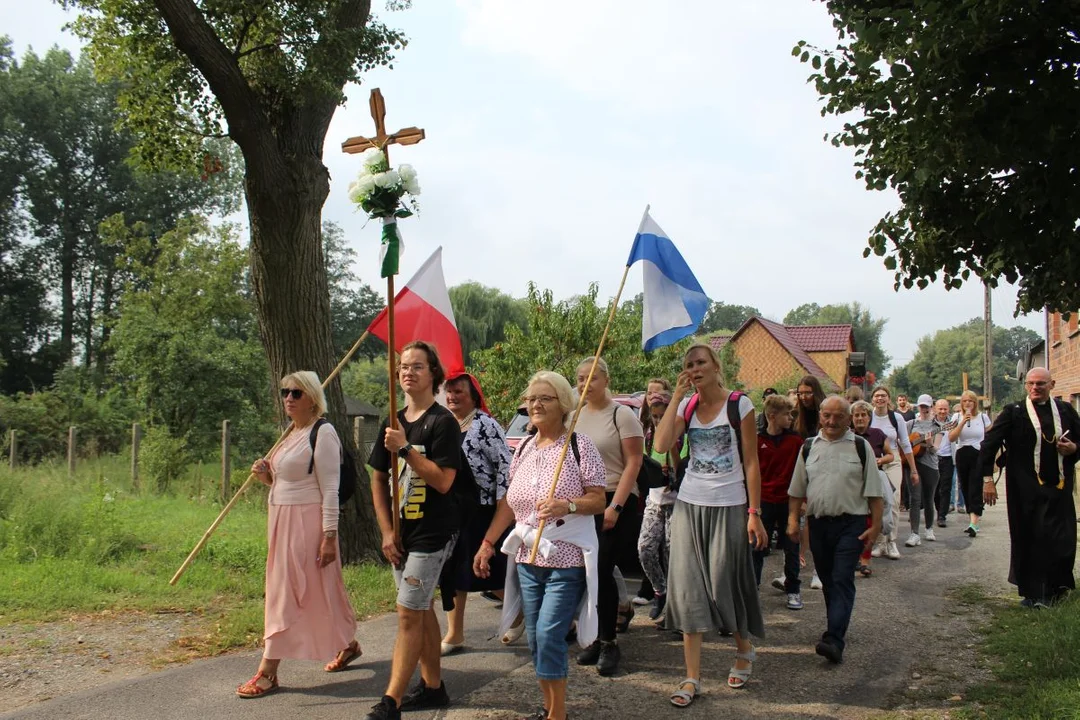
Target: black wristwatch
{"points": [[403, 453], [617, 508]]}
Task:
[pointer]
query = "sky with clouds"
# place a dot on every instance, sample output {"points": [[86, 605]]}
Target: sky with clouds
{"points": [[551, 124]]}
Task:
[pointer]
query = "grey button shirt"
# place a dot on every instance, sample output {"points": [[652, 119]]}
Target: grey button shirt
{"points": [[833, 479]]}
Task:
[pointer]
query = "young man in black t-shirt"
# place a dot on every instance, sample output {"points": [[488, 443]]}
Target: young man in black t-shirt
{"points": [[427, 445]]}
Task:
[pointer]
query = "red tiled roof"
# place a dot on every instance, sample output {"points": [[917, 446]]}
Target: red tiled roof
{"points": [[717, 342], [820, 338], [782, 336]]}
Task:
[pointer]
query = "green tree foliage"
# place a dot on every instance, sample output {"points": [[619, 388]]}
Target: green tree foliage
{"points": [[864, 326], [968, 111], [270, 76], [557, 336], [353, 304], [482, 313], [65, 170], [186, 345], [941, 359], [722, 316]]}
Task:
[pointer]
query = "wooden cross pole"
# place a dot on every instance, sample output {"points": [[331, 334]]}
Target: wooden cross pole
{"points": [[964, 376], [383, 141]]}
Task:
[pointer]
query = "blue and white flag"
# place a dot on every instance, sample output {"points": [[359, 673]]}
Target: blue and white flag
{"points": [[675, 304]]}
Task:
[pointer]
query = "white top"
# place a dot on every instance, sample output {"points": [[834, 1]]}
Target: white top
{"points": [[292, 483], [972, 434], [945, 448], [714, 477], [881, 422]]}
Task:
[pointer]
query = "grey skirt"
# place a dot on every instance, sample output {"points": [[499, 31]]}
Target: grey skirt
{"points": [[711, 573]]}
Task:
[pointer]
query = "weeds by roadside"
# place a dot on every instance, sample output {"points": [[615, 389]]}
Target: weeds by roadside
{"points": [[1034, 658], [90, 543]]}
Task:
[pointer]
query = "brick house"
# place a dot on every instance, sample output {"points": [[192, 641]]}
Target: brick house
{"points": [[1064, 356], [769, 352]]}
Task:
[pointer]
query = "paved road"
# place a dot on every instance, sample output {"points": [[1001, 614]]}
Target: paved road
{"points": [[903, 624]]}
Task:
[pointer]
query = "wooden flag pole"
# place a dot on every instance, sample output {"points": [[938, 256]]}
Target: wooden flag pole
{"points": [[252, 477], [395, 489], [577, 412]]}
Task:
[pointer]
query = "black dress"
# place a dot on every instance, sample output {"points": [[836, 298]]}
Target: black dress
{"points": [[1042, 517]]}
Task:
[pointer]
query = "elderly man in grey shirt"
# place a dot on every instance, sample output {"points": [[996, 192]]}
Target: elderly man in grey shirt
{"points": [[840, 484]]}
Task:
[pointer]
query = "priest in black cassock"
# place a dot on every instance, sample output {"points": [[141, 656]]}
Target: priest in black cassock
{"points": [[1039, 436]]}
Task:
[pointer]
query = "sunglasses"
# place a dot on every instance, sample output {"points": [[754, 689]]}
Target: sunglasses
{"points": [[295, 393]]}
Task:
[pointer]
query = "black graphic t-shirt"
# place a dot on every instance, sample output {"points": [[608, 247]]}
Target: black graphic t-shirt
{"points": [[429, 518]]}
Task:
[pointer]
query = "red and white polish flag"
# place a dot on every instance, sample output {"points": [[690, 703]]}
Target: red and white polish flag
{"points": [[422, 311]]}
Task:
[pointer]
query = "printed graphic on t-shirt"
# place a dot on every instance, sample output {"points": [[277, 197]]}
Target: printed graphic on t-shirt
{"points": [[713, 450], [412, 488]]}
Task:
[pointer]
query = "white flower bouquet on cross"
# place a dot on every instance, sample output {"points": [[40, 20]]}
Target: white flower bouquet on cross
{"points": [[388, 195]]}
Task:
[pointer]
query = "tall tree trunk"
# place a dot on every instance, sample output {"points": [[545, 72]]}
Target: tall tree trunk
{"points": [[285, 198], [68, 254]]}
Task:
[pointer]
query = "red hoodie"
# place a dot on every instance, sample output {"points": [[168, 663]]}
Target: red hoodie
{"points": [[776, 456]]}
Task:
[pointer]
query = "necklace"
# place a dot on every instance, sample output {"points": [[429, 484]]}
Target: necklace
{"points": [[465, 422]]}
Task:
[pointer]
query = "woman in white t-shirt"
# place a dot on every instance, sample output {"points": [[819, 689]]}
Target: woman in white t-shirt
{"points": [[618, 435], [966, 438], [711, 583], [894, 426]]}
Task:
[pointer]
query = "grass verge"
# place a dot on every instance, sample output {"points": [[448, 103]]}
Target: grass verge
{"points": [[91, 543], [1034, 657]]}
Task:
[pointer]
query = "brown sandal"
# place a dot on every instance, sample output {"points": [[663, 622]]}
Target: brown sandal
{"points": [[344, 658], [252, 689]]}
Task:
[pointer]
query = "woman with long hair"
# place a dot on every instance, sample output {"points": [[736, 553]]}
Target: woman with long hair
{"points": [[966, 439], [810, 396], [716, 522]]}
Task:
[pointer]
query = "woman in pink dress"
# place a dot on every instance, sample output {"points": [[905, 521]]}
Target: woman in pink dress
{"points": [[307, 615]]}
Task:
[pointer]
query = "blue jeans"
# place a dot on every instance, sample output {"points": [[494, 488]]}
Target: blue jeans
{"points": [[774, 516], [550, 599], [835, 543]]}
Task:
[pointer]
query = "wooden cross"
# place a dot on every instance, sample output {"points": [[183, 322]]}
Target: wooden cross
{"points": [[405, 136], [382, 141], [981, 398]]}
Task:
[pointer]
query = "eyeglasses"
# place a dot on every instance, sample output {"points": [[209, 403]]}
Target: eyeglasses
{"points": [[294, 393], [805, 393], [415, 367], [1036, 383], [542, 399]]}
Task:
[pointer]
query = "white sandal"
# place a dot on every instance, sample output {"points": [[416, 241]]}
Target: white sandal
{"points": [[514, 632], [683, 698], [739, 678]]}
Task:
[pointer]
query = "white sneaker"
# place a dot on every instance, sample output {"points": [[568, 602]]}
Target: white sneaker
{"points": [[913, 540], [928, 534], [815, 582], [879, 549], [891, 551], [778, 583]]}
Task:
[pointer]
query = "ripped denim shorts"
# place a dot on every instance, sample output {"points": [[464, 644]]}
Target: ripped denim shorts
{"points": [[418, 576]]}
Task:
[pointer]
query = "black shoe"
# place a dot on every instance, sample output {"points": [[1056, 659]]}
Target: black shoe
{"points": [[421, 697], [590, 655], [625, 616], [610, 654], [387, 709], [941, 522], [830, 652], [658, 607], [724, 632]]}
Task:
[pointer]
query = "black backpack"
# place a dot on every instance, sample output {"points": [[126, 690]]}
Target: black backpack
{"points": [[347, 469]]}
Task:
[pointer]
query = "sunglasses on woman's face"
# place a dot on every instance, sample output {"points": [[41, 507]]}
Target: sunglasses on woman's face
{"points": [[294, 393]]}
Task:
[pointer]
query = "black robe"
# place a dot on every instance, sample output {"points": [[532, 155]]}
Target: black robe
{"points": [[1042, 519]]}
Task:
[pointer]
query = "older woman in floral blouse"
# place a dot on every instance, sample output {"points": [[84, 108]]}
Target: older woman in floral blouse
{"points": [[561, 583]]}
